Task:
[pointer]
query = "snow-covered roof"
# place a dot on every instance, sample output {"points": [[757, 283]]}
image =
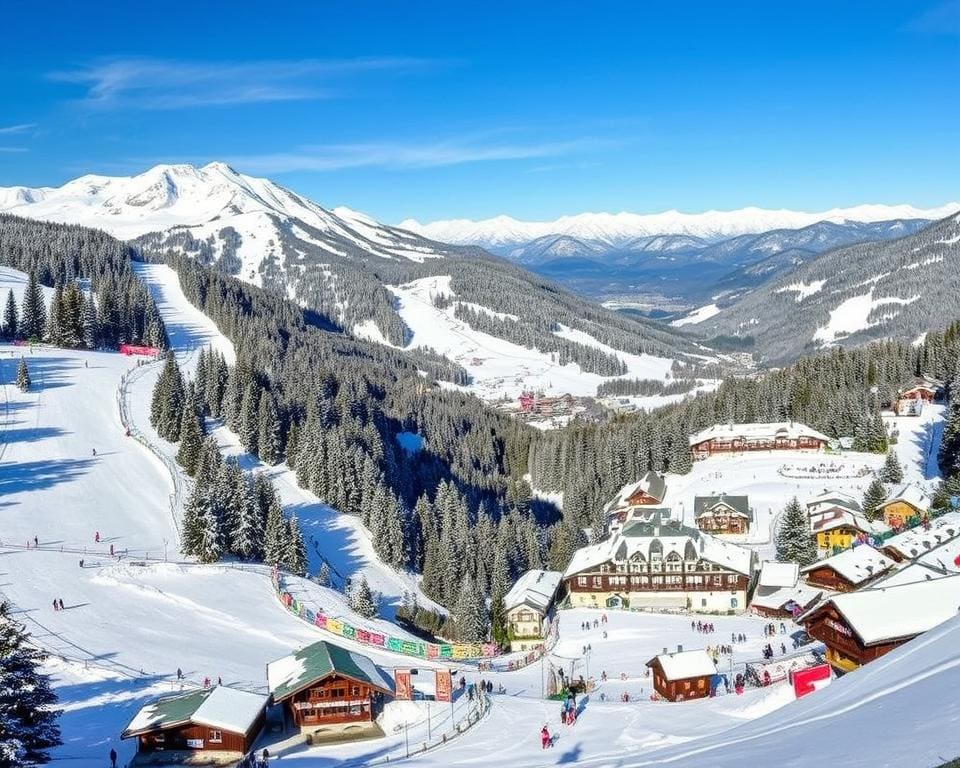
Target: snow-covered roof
{"points": [[829, 499], [535, 588], [919, 540], [705, 504], [221, 707], [909, 574], [857, 564], [802, 594], [685, 664], [886, 613], [828, 518], [909, 494], [672, 537], [773, 574], [652, 484], [292, 673], [790, 430]]}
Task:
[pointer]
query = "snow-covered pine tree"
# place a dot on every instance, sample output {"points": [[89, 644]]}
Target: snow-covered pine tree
{"points": [[360, 599], [213, 536], [795, 543], [91, 326], [28, 715], [274, 536], [248, 536], [33, 316], [54, 330], [191, 433], [23, 376], [268, 429], [680, 462], [323, 575], [248, 418], [11, 317], [891, 472], [470, 614], [874, 496], [294, 551]]}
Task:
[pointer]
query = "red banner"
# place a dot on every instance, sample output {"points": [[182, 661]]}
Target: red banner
{"points": [[810, 679], [133, 349], [404, 687], [443, 685]]}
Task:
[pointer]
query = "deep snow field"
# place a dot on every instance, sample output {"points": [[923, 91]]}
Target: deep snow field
{"points": [[130, 624]]}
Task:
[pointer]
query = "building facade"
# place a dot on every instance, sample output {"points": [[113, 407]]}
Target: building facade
{"points": [[848, 570], [526, 607], [660, 563], [737, 438], [722, 514], [682, 675], [905, 506], [324, 684]]}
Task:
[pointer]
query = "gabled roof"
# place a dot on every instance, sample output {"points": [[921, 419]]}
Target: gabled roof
{"points": [[789, 430], [911, 573], [301, 669], [739, 504], [652, 484], [836, 517], [829, 499], [802, 594], [535, 588], [919, 540], [221, 707], [669, 536], [880, 613], [685, 664], [773, 574], [857, 564], [909, 494]]}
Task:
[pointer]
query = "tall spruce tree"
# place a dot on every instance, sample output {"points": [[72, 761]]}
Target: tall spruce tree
{"points": [[294, 550], [23, 376], [470, 615], [891, 472], [33, 316], [795, 543], [11, 317], [191, 433], [874, 496], [28, 715], [361, 599]]}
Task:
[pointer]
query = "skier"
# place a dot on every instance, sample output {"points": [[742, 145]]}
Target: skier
{"points": [[113, 758], [96, 537], [94, 451], [81, 562], [87, 366], [219, 680], [179, 674], [265, 756], [36, 542], [545, 739], [61, 603], [206, 682], [111, 550], [55, 607]]}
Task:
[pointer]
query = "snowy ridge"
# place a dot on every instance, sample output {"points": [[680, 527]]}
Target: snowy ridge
{"points": [[618, 229]]}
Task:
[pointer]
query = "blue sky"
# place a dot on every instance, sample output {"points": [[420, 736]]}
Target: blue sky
{"points": [[438, 110]]}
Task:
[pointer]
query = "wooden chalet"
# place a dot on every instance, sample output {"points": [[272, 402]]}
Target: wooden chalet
{"points": [[907, 503], [862, 626], [640, 497], [780, 594], [735, 438], [217, 719], [525, 608], [324, 684], [657, 562], [923, 540], [922, 388], [837, 521], [722, 514], [682, 675], [849, 570]]}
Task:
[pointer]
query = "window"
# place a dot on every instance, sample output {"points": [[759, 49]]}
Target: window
{"points": [[354, 690], [598, 581], [701, 684], [686, 685], [160, 738], [703, 602], [581, 581], [216, 737]]}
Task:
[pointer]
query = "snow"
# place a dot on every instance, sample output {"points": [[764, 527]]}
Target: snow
{"points": [[535, 587], [803, 289], [853, 315], [773, 574], [909, 494], [220, 707], [696, 316], [498, 368], [857, 564], [620, 228], [686, 664], [780, 429], [370, 331], [920, 540]]}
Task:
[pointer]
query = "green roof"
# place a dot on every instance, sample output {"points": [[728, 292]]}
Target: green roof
{"points": [[737, 503], [315, 662], [656, 521], [167, 711]]}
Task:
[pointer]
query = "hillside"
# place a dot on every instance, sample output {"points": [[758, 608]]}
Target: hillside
{"points": [[900, 289], [350, 271]]}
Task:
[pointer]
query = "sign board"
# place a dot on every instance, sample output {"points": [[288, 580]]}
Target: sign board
{"points": [[810, 679], [195, 743], [404, 687], [443, 685]]}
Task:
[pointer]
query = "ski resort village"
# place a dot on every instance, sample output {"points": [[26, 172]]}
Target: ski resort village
{"points": [[462, 386]]}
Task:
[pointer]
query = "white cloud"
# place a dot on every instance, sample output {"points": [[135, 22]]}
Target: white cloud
{"points": [[398, 156], [9, 130], [168, 84]]}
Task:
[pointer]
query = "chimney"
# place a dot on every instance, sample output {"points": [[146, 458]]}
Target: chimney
{"points": [[679, 649], [665, 650]]}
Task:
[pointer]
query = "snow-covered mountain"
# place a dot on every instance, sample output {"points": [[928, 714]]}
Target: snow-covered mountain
{"points": [[365, 278], [619, 229], [897, 288]]}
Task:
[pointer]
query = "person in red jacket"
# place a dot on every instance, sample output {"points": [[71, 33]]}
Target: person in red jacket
{"points": [[545, 737]]}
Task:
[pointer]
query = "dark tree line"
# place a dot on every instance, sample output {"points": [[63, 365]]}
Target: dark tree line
{"points": [[97, 302]]}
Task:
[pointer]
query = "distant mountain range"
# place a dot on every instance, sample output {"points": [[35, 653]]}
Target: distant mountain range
{"points": [[898, 288], [507, 328], [621, 231]]}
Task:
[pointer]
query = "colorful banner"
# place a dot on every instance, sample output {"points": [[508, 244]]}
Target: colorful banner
{"points": [[443, 685], [335, 626], [403, 685], [134, 349]]}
